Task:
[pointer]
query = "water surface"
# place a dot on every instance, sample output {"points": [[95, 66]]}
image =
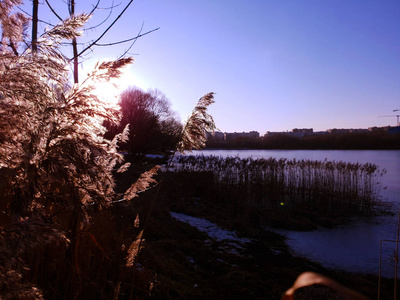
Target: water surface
{"points": [[354, 247]]}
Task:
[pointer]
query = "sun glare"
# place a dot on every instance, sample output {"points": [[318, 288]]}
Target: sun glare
{"points": [[108, 92]]}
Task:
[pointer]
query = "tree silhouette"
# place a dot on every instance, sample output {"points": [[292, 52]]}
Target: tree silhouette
{"points": [[152, 123]]}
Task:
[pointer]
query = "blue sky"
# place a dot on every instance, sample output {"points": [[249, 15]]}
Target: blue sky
{"points": [[274, 65]]}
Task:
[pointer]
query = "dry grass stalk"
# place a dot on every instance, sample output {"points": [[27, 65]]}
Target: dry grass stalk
{"points": [[134, 250], [142, 184], [324, 185]]}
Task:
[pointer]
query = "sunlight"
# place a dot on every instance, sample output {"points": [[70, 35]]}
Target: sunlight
{"points": [[109, 91]]}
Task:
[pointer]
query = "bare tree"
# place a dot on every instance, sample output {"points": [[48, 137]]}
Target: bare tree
{"points": [[76, 54], [153, 125]]}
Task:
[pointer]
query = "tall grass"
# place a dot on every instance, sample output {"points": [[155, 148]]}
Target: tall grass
{"points": [[267, 183]]}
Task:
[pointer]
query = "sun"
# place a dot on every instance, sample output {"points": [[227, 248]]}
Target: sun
{"points": [[108, 92]]}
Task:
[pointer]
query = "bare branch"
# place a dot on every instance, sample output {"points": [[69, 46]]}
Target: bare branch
{"points": [[102, 22], [94, 8], [53, 11], [105, 31], [128, 40], [30, 15], [133, 43]]}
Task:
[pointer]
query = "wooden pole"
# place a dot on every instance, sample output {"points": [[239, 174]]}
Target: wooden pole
{"points": [[380, 269], [396, 259], [34, 25]]}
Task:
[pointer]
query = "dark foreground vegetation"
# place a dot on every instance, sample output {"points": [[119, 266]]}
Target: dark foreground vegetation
{"points": [[177, 261], [191, 265], [136, 250]]}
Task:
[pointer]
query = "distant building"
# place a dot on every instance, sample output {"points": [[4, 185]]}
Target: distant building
{"points": [[303, 130], [231, 136], [377, 129], [339, 131], [395, 129], [296, 132], [216, 136], [348, 130], [388, 129], [359, 130]]}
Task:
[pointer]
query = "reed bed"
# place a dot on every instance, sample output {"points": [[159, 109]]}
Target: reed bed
{"points": [[268, 183]]}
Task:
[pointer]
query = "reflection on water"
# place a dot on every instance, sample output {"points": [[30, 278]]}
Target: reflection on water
{"points": [[354, 247]]}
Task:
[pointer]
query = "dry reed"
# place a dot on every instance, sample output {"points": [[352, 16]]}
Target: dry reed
{"points": [[318, 185]]}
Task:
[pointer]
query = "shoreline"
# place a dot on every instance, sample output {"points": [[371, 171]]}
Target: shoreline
{"points": [[190, 264]]}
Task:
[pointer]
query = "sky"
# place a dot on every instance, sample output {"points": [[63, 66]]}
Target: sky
{"points": [[273, 65]]}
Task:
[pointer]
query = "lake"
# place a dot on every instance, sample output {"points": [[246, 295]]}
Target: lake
{"points": [[354, 247]]}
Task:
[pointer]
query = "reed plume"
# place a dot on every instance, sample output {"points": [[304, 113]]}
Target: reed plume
{"points": [[134, 249], [142, 184], [194, 134]]}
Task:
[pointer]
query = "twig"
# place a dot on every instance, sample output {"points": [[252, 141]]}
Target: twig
{"points": [[105, 31], [128, 40]]}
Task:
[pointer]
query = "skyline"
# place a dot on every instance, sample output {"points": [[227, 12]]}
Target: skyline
{"points": [[337, 130], [273, 66]]}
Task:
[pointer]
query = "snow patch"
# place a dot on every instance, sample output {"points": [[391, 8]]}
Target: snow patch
{"points": [[153, 156], [213, 230]]}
